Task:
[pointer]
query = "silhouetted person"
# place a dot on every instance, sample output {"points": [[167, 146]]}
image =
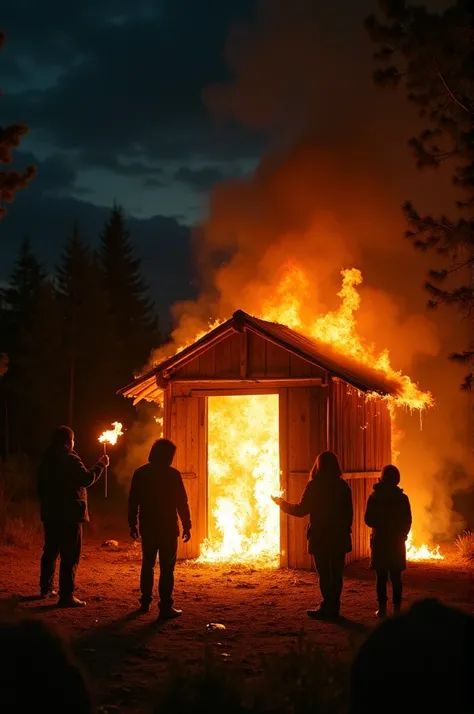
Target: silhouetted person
{"points": [[421, 661], [62, 481], [37, 673], [328, 500], [157, 497], [388, 513]]}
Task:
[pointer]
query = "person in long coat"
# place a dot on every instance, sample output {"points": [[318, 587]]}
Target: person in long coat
{"points": [[388, 513], [327, 499]]}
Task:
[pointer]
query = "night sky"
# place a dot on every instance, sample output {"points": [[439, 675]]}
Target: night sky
{"points": [[118, 96]]}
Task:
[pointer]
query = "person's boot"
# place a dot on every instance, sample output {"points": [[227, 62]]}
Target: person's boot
{"points": [[320, 613], [70, 601], [145, 606], [169, 614], [45, 594], [382, 611]]}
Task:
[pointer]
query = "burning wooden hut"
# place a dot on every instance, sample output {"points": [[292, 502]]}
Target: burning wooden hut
{"points": [[250, 405]]}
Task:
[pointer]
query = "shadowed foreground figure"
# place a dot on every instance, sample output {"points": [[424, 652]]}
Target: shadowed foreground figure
{"points": [[37, 673], [388, 513], [62, 483], [157, 497], [327, 499], [421, 661]]}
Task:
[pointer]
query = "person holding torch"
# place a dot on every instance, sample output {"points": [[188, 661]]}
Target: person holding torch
{"points": [[62, 483]]}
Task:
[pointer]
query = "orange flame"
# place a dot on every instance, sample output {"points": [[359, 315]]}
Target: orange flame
{"points": [[111, 436], [423, 552], [243, 472], [243, 467]]}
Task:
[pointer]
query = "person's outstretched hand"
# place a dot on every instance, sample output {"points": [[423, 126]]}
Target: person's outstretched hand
{"points": [[277, 499], [104, 460], [186, 536]]}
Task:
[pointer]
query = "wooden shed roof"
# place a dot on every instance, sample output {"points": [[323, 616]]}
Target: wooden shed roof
{"points": [[316, 353]]}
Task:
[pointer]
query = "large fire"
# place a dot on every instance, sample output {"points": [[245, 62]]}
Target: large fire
{"points": [[243, 467], [244, 471]]}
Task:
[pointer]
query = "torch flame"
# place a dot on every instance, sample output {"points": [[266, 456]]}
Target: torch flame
{"points": [[111, 436]]}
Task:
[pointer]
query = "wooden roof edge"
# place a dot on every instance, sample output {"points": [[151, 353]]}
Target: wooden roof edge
{"points": [[179, 357]]}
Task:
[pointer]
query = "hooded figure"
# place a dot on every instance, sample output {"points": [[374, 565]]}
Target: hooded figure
{"points": [[157, 497], [327, 499], [388, 513]]}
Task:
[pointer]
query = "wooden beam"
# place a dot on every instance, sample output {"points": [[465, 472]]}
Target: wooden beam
{"points": [[283, 437], [350, 475], [249, 383]]}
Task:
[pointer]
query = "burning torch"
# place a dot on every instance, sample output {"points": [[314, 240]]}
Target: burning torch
{"points": [[110, 437]]}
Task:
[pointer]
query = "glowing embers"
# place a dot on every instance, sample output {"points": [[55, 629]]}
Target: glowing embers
{"points": [[243, 472]]}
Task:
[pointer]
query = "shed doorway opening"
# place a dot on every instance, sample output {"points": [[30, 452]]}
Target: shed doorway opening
{"points": [[243, 467]]}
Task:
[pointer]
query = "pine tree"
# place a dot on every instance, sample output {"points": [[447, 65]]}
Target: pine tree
{"points": [[87, 337], [10, 138], [39, 393], [25, 281], [432, 55], [131, 309]]}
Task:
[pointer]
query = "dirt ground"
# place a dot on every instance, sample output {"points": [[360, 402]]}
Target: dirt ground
{"points": [[126, 655]]}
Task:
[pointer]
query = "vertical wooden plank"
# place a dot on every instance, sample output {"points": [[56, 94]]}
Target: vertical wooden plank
{"points": [[207, 363], [298, 556], [202, 513], [283, 429], [243, 367], [318, 421], [299, 367], [299, 425], [257, 355], [223, 358], [278, 361], [167, 413], [189, 436], [235, 341]]}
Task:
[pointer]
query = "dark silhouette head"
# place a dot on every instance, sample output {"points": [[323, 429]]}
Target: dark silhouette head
{"points": [[421, 661], [37, 672], [326, 467], [162, 452], [63, 436], [390, 475]]}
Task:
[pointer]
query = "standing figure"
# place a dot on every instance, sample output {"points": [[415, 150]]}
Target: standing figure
{"points": [[157, 497], [388, 513], [62, 481], [328, 500]]}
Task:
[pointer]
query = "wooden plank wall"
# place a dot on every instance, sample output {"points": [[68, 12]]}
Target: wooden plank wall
{"points": [[306, 437], [361, 489], [188, 432], [360, 429], [264, 360]]}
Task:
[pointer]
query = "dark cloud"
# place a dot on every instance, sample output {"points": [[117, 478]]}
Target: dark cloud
{"points": [[131, 78], [200, 179], [153, 183], [56, 173], [117, 164]]}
